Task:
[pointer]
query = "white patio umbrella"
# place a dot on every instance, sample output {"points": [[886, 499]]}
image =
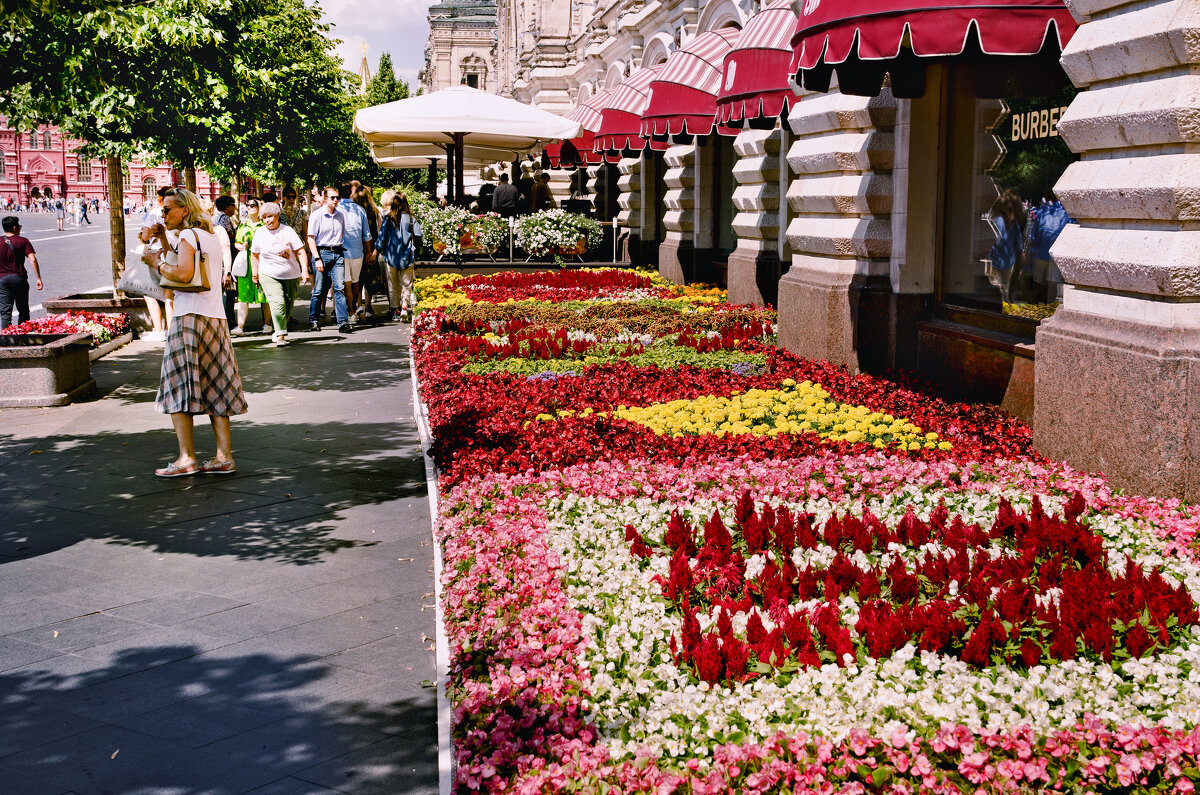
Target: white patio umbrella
{"points": [[460, 116]]}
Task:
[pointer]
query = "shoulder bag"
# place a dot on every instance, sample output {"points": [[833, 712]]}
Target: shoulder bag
{"points": [[171, 273]]}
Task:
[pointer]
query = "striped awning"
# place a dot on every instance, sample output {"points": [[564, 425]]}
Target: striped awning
{"points": [[755, 84], [581, 149], [683, 97], [856, 32], [621, 119]]}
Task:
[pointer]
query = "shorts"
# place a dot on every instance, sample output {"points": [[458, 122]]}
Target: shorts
{"points": [[353, 268]]}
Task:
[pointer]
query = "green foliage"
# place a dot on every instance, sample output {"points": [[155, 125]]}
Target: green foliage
{"points": [[385, 87]]}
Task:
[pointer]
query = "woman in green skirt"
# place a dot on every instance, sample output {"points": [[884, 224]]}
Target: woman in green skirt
{"points": [[248, 291]]}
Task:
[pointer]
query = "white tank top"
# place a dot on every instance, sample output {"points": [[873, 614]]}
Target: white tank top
{"points": [[210, 302]]}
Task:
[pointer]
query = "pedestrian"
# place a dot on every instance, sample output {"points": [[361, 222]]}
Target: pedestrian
{"points": [[226, 220], [541, 198], [357, 243], [326, 232], [248, 292], [293, 213], [279, 265], [152, 224], [199, 371], [60, 213], [14, 279], [372, 280], [398, 250], [83, 208], [504, 199]]}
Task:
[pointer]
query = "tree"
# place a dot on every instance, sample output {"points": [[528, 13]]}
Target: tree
{"points": [[178, 78], [385, 86]]}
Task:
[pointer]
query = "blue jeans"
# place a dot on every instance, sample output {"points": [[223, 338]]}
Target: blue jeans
{"points": [[332, 276], [14, 290]]}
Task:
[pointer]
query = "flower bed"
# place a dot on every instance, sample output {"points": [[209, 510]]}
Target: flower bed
{"points": [[751, 572], [102, 327]]}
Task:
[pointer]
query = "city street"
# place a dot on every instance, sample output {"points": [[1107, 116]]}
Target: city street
{"points": [[74, 260]]}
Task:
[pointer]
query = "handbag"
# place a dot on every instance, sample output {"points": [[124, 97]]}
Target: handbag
{"points": [[241, 264], [139, 279], [199, 281]]}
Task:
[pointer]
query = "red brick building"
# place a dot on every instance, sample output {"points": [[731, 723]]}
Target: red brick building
{"points": [[43, 163]]}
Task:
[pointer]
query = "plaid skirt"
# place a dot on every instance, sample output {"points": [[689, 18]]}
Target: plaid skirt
{"points": [[199, 373]]}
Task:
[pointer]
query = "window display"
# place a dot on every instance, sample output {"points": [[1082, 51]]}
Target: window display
{"points": [[1004, 156]]}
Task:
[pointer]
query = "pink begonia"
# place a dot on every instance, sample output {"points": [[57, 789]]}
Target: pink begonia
{"points": [[520, 723]]}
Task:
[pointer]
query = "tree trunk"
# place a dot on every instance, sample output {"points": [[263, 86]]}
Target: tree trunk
{"points": [[116, 218], [189, 178]]}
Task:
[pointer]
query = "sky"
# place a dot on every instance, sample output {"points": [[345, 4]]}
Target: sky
{"points": [[400, 27]]}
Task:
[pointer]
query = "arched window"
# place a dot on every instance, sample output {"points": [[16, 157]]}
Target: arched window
{"points": [[33, 140], [149, 189], [46, 139], [126, 182], [85, 170]]}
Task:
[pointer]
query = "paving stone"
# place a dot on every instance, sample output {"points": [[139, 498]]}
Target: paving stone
{"points": [[199, 721], [250, 621], [80, 633], [31, 613], [392, 766], [293, 786], [175, 608], [295, 743], [31, 725], [15, 654]]}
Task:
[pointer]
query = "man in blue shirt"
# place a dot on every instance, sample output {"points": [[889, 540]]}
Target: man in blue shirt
{"points": [[357, 243], [327, 229]]}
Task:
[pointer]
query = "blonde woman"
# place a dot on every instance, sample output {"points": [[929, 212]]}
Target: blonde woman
{"points": [[199, 372]]}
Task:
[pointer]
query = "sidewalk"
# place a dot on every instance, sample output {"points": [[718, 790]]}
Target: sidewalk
{"points": [[266, 632]]}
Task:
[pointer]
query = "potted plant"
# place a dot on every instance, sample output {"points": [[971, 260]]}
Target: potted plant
{"points": [[557, 233]]}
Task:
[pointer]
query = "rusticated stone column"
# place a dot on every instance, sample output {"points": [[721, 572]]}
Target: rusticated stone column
{"points": [[840, 233], [630, 216], [1117, 368], [676, 259], [754, 266]]}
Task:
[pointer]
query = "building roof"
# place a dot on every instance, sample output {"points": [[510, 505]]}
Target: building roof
{"points": [[464, 8]]}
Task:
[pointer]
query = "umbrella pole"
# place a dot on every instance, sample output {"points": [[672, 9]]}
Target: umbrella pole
{"points": [[451, 158], [458, 167], [431, 182]]}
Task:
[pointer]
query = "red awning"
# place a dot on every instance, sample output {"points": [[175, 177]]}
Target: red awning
{"points": [[621, 118], [755, 81], [834, 32], [683, 98]]}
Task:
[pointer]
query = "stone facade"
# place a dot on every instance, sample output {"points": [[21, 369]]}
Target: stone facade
{"points": [[462, 46], [1118, 367], [46, 161]]}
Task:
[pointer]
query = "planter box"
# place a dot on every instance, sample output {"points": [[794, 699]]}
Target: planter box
{"points": [[110, 346], [105, 304], [44, 369]]}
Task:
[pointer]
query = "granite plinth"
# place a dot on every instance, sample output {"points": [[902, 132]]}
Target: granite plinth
{"points": [[837, 314], [753, 277], [44, 369], [1121, 397], [676, 261]]}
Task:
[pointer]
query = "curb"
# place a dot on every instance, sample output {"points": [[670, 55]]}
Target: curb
{"points": [[444, 715]]}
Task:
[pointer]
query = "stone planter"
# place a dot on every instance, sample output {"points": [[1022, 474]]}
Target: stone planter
{"points": [[110, 346], [44, 369], [103, 303]]}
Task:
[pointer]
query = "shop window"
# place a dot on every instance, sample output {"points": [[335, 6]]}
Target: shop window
{"points": [[85, 170], [724, 159], [654, 179], [1004, 156]]}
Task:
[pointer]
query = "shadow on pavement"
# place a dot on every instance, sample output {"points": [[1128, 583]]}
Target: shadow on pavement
{"points": [[182, 720], [291, 484]]}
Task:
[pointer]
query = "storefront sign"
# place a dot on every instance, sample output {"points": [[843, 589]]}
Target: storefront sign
{"points": [[1032, 124]]}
